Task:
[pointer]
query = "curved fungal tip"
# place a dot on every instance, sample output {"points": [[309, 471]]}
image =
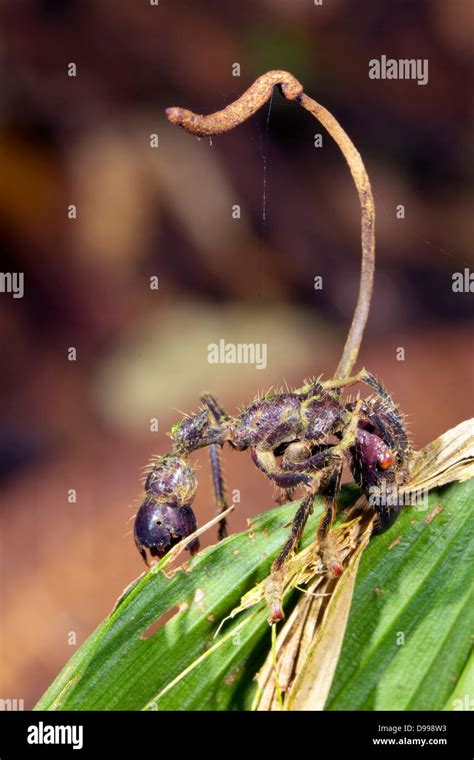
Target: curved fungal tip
{"points": [[174, 114]]}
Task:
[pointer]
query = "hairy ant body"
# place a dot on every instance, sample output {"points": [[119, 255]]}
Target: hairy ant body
{"points": [[288, 435]]}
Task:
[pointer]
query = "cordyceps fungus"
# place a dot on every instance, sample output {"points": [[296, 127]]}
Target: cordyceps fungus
{"points": [[300, 438]]}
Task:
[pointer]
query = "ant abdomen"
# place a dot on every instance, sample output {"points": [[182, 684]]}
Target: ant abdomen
{"points": [[158, 527], [166, 515]]}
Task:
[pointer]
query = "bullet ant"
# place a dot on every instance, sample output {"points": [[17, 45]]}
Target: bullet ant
{"points": [[300, 438]]}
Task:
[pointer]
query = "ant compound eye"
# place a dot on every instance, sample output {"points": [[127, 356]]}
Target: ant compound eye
{"points": [[385, 459]]}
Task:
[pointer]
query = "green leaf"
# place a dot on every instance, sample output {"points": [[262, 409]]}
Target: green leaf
{"points": [[412, 615], [118, 669], [421, 588], [462, 697]]}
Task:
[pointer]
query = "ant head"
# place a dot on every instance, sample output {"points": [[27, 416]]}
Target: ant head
{"points": [[373, 462], [159, 526], [382, 451]]}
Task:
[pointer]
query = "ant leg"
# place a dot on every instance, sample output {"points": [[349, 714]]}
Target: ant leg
{"points": [[276, 583], [296, 451], [297, 527], [215, 409], [219, 488], [219, 416], [372, 382], [284, 495], [333, 459], [330, 493], [362, 377], [296, 474], [311, 479], [336, 383]]}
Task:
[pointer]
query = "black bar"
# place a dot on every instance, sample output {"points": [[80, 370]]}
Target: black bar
{"points": [[278, 735]]}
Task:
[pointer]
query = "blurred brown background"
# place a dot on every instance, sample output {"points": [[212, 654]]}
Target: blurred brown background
{"points": [[85, 140]]}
